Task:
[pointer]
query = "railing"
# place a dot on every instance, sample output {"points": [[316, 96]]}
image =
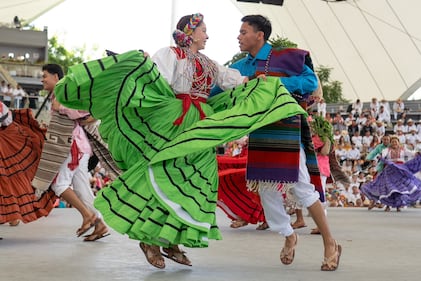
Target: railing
{"points": [[32, 102]]}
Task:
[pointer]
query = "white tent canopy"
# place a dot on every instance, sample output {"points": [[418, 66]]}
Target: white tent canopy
{"points": [[373, 46], [25, 10]]}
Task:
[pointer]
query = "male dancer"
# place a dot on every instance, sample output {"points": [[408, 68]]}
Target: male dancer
{"points": [[72, 180], [300, 80]]}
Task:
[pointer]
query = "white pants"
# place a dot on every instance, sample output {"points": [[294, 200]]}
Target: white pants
{"points": [[273, 201], [79, 179]]}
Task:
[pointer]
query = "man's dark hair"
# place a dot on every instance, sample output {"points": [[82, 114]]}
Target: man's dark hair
{"points": [[259, 23], [53, 69]]}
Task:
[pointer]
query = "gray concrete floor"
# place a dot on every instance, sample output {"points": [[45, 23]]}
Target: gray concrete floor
{"points": [[376, 246]]}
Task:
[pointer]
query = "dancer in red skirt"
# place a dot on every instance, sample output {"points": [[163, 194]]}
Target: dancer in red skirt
{"points": [[21, 140]]}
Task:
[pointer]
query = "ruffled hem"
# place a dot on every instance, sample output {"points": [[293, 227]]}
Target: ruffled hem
{"points": [[396, 186], [234, 198], [138, 213], [20, 150]]}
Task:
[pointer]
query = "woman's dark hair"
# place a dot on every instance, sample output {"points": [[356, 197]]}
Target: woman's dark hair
{"points": [[53, 69], [259, 23], [182, 22]]}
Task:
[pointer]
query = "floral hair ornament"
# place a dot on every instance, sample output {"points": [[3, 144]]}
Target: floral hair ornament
{"points": [[182, 37], [194, 21]]}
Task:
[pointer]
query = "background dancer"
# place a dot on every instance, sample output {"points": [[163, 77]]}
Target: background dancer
{"points": [[67, 173], [21, 140], [396, 185]]}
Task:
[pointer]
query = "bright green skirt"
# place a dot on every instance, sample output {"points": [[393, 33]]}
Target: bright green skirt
{"points": [[168, 191]]}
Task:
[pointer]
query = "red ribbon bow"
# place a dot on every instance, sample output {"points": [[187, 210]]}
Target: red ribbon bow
{"points": [[187, 101]]}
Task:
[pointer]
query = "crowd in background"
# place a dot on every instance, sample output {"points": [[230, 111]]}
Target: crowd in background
{"points": [[17, 97], [356, 133]]}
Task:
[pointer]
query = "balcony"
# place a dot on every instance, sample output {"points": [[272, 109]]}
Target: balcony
{"points": [[28, 75]]}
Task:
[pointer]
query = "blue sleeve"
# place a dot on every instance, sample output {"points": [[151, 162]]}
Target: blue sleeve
{"points": [[305, 83], [239, 65], [215, 90]]}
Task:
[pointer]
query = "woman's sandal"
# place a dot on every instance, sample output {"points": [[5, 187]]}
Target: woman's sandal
{"points": [[174, 253], [153, 255], [14, 222], [238, 223], [332, 263], [288, 254], [86, 226]]}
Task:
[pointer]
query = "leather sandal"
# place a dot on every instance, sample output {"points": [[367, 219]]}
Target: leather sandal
{"points": [[332, 263], [238, 223], [153, 255], [14, 222], [97, 234], [262, 226], [86, 226], [315, 231], [174, 253], [297, 225], [288, 253]]}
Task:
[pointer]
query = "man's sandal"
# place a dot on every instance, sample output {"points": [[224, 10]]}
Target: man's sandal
{"points": [[332, 263], [288, 253], [174, 253]]}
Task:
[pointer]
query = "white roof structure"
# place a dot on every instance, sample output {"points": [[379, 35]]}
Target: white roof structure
{"points": [[25, 10], [372, 46]]}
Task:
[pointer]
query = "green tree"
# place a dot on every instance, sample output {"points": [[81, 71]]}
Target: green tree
{"points": [[58, 54], [332, 90], [282, 42]]}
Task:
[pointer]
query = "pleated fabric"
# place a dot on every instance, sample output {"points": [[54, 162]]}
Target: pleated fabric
{"points": [[234, 198], [396, 185], [167, 192], [20, 148]]}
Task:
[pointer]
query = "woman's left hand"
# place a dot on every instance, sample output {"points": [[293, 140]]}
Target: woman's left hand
{"points": [[262, 76]]}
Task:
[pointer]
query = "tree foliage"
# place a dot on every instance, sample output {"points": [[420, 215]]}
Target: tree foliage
{"points": [[58, 54], [332, 90], [282, 42]]}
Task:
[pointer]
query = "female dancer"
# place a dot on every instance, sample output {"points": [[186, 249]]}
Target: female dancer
{"points": [[21, 140], [239, 204], [396, 185], [162, 130]]}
